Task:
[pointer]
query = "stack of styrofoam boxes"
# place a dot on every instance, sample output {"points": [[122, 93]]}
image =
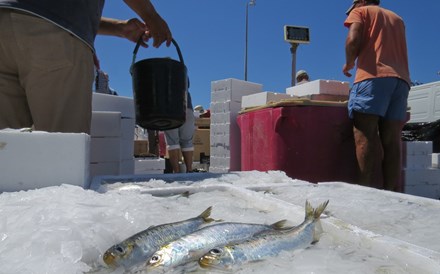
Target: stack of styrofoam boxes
{"points": [[421, 169], [225, 141], [30, 160], [149, 165], [112, 135], [262, 98], [328, 87]]}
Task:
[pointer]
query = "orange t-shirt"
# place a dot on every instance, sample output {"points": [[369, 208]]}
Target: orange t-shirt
{"points": [[383, 51]]}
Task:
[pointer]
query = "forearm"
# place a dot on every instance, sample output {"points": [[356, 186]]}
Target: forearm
{"points": [[110, 26], [143, 8]]}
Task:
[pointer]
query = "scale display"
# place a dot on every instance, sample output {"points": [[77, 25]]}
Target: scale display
{"points": [[295, 34]]}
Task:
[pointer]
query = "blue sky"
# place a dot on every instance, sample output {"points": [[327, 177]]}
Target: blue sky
{"points": [[211, 35]]}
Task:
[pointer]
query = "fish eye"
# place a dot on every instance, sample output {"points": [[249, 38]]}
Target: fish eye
{"points": [[215, 251], [120, 249], [154, 259]]}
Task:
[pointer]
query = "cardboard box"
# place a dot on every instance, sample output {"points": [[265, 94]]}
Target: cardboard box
{"points": [[202, 122], [201, 141], [141, 148], [31, 160]]}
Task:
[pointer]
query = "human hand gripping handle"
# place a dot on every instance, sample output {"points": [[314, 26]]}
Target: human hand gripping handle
{"points": [[346, 69], [157, 28]]}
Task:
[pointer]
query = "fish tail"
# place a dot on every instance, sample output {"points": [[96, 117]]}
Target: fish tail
{"points": [[205, 215], [314, 214]]}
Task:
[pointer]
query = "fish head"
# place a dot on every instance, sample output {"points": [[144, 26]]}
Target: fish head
{"points": [[218, 258], [116, 254], [164, 257]]}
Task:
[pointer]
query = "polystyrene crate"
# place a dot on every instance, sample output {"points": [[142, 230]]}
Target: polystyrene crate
{"points": [[31, 160]]}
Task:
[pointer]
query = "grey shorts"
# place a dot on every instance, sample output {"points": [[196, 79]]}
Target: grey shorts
{"points": [[182, 137]]}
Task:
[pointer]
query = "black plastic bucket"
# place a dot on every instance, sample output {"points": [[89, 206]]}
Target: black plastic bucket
{"points": [[160, 88]]}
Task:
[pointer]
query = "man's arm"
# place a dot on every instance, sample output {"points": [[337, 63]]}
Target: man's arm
{"points": [[352, 47], [130, 29], [157, 27]]}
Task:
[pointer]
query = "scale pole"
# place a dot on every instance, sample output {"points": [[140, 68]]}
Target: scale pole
{"points": [[293, 48]]}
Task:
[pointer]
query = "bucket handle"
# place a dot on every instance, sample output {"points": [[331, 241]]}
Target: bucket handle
{"points": [[139, 43]]}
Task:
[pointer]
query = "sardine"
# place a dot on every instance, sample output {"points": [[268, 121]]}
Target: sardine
{"points": [[141, 246], [266, 244], [192, 246]]}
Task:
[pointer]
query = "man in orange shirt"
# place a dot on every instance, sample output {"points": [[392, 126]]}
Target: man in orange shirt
{"points": [[378, 99]]}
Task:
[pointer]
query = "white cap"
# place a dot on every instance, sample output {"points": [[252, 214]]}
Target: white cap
{"points": [[198, 108], [300, 72]]}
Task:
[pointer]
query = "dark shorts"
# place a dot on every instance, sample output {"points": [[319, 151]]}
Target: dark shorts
{"points": [[386, 97]]}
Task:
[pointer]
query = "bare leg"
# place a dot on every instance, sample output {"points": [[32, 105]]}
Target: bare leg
{"points": [[188, 159], [365, 129], [390, 135], [174, 159]]}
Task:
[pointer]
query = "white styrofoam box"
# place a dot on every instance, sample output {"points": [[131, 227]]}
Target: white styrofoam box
{"points": [[427, 191], [106, 102], [417, 147], [104, 168], [435, 160], [422, 182], [424, 102], [105, 149], [148, 165], [31, 160], [127, 138], [422, 176], [262, 98], [106, 124], [417, 161], [232, 89], [319, 86], [220, 118], [220, 129], [225, 107], [123, 167], [126, 166]]}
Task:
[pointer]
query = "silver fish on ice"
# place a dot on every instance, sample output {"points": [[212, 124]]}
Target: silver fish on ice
{"points": [[192, 246], [141, 246], [266, 244]]}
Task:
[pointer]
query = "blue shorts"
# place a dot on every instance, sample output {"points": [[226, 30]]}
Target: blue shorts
{"points": [[386, 97], [182, 137]]}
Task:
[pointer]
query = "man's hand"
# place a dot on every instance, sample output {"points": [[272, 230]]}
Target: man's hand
{"points": [[346, 69]]}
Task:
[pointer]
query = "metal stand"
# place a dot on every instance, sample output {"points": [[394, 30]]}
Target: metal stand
{"points": [[293, 48]]}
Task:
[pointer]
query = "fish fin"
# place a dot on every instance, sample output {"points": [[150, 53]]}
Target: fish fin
{"points": [[314, 214], [318, 211], [185, 194], [279, 225], [206, 215]]}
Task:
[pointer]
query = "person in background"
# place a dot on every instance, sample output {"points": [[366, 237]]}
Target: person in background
{"points": [[102, 83], [302, 77], [47, 58], [378, 99], [181, 140]]}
